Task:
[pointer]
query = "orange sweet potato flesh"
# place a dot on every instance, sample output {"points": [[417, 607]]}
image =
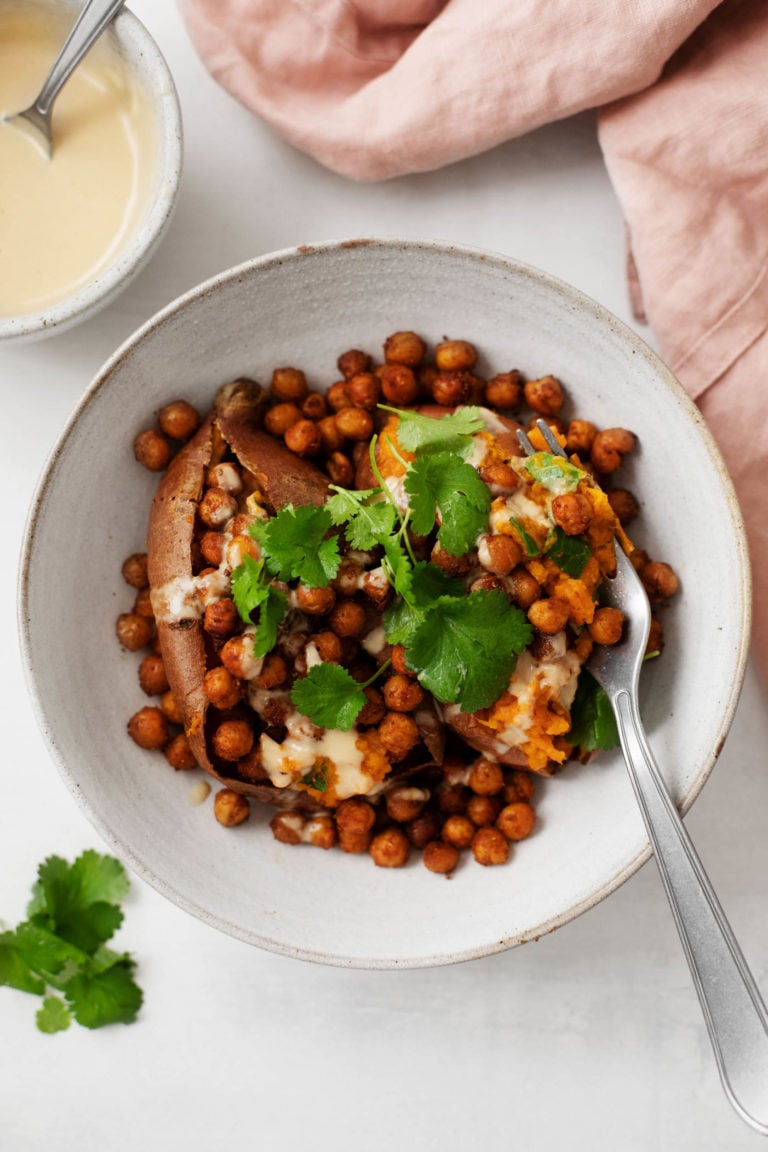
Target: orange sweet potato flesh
{"points": [[482, 739]]}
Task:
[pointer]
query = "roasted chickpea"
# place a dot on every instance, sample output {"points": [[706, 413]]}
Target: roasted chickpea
{"points": [[340, 469], [152, 677], [315, 601], [331, 439], [364, 390], [355, 423], [133, 631], [424, 828], [225, 475], [134, 570], [399, 734], [490, 846], [314, 406], [406, 802], [545, 395], [459, 831], [149, 728], [549, 615], [606, 626], [221, 618], [337, 396], [212, 546], [455, 355], [390, 848], [304, 438], [221, 688], [610, 447], [142, 605], [179, 420], [399, 658], [500, 478], [402, 693], [573, 512], [483, 810], [353, 361], [452, 388], [274, 672], [499, 554], [347, 618], [288, 384], [523, 587], [580, 436], [287, 827], [328, 646], [216, 508], [659, 580], [171, 709], [152, 449], [486, 777], [398, 384], [354, 843], [440, 857], [240, 546], [624, 505], [373, 711], [505, 390], [233, 739], [655, 637], [355, 816], [230, 808], [516, 820], [179, 754], [281, 417], [519, 785], [453, 565], [320, 831], [452, 799], [404, 348]]}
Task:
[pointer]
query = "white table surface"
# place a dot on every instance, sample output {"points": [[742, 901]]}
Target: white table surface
{"points": [[590, 1039]]}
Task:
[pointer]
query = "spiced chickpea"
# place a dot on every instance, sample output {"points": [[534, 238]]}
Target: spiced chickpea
{"points": [[610, 447], [349, 576], [655, 637], [624, 505], [516, 820], [452, 388], [328, 646], [179, 754], [364, 390], [340, 469], [545, 395], [225, 475], [390, 848], [398, 384], [505, 390], [440, 857], [252, 767], [405, 803], [221, 688], [347, 618], [452, 799], [490, 846], [319, 831], [315, 601], [373, 711], [281, 417], [404, 348], [355, 816], [523, 587], [580, 436], [355, 423], [549, 615], [216, 507], [233, 739], [337, 396], [399, 734], [287, 827], [486, 777], [221, 618], [402, 693], [149, 728], [499, 554], [152, 677], [483, 810], [606, 626], [453, 565], [659, 580], [134, 570], [179, 420], [237, 657], [355, 843], [133, 631], [331, 440], [304, 438], [573, 512], [459, 831], [399, 658], [212, 546], [519, 785], [289, 384], [142, 605], [170, 708], [314, 406], [455, 355], [153, 450], [230, 808], [423, 828], [274, 672], [501, 478], [353, 361]]}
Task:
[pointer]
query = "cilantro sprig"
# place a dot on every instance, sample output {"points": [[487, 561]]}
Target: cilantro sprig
{"points": [[296, 546], [59, 952]]}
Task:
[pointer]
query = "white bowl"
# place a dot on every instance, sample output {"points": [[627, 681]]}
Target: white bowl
{"points": [[303, 307], [145, 64]]}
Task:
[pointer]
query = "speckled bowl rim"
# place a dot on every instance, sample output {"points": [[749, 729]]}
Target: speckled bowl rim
{"points": [[135, 44], [577, 300]]}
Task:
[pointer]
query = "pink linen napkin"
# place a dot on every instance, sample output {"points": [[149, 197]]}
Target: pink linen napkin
{"points": [[379, 88]]}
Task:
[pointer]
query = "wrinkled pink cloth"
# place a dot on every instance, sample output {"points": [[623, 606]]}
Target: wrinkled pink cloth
{"points": [[379, 88]]}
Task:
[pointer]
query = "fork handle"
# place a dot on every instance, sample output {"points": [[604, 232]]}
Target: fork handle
{"points": [[734, 1012], [90, 24]]}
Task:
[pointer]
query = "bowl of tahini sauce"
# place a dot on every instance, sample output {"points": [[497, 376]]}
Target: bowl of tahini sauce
{"points": [[76, 227]]}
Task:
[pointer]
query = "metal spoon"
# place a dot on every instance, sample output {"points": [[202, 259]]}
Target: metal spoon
{"points": [[94, 19]]}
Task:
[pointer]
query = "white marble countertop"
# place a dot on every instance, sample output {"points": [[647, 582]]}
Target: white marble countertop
{"points": [[590, 1039]]}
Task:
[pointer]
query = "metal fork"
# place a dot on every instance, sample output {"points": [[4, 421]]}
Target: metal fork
{"points": [[736, 1017]]}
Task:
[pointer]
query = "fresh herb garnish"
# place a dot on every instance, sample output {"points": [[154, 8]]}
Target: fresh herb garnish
{"points": [[59, 951], [428, 583], [368, 517], [570, 553], [444, 487], [252, 588], [452, 433], [593, 724], [317, 777], [528, 542], [554, 473], [329, 696], [295, 545]]}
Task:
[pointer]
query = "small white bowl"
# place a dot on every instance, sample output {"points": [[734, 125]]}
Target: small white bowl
{"points": [[303, 307], [147, 67]]}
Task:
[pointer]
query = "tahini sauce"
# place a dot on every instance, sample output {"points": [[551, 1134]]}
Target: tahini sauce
{"points": [[64, 220]]}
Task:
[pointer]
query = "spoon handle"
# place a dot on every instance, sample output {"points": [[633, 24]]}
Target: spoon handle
{"points": [[734, 1012], [90, 24]]}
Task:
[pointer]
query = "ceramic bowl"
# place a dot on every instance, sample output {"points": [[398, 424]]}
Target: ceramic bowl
{"points": [[127, 40], [303, 307]]}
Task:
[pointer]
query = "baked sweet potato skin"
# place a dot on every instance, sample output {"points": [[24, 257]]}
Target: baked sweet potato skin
{"points": [[482, 739]]}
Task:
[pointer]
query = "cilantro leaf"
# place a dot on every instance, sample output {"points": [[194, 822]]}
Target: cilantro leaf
{"points": [[528, 542], [108, 997], [53, 1016], [570, 553], [329, 696], [317, 778], [442, 484], [554, 473], [593, 723], [271, 613], [250, 586], [450, 433], [369, 518], [46, 954], [427, 584], [15, 971], [465, 649], [295, 545], [78, 901]]}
